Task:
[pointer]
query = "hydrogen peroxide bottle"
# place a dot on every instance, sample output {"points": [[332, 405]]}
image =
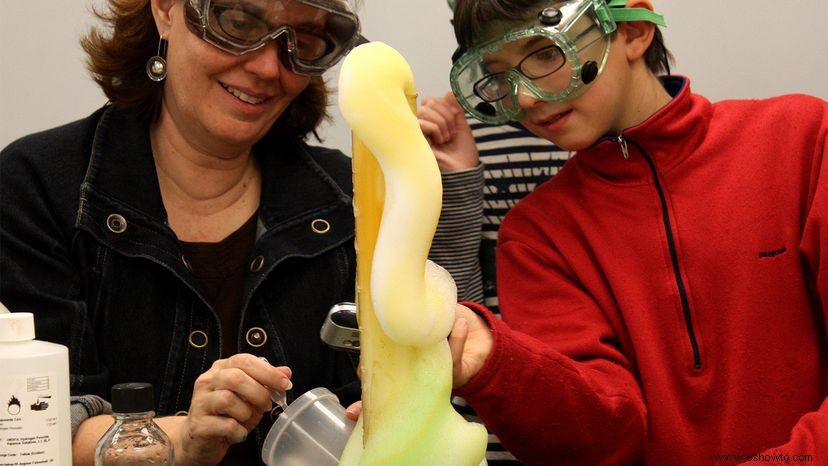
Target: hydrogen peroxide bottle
{"points": [[35, 424]]}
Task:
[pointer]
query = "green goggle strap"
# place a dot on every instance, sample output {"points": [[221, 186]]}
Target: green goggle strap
{"points": [[620, 13]]}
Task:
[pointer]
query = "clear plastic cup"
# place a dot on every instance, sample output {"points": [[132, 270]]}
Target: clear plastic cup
{"points": [[313, 430]]}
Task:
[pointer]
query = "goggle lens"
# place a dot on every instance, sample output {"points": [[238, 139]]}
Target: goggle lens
{"points": [[317, 33], [546, 59], [236, 24], [542, 60]]}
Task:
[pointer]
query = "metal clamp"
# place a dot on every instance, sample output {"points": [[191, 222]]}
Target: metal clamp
{"points": [[340, 330]]}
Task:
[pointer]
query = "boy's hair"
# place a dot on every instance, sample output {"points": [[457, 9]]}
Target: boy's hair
{"points": [[471, 17], [117, 53]]}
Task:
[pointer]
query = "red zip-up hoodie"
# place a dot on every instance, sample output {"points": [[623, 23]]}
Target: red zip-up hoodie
{"points": [[664, 295]]}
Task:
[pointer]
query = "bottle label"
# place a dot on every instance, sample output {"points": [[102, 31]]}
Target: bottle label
{"points": [[29, 428]]}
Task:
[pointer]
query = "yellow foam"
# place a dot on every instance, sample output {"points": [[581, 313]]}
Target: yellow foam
{"points": [[405, 303]]}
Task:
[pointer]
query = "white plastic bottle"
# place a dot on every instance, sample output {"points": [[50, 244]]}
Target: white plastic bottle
{"points": [[35, 424]]}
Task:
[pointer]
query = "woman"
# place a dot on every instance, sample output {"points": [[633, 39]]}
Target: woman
{"points": [[185, 234]]}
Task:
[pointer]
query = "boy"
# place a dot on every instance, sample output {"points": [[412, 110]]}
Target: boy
{"points": [[663, 296]]}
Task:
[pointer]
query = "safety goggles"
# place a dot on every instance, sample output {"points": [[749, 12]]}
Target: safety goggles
{"points": [[313, 35], [552, 57]]}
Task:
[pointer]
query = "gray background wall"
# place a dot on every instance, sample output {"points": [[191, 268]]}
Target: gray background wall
{"points": [[731, 49]]}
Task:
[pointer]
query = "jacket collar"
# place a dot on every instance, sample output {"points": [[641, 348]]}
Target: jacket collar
{"points": [[667, 137], [294, 186], [121, 179], [122, 169]]}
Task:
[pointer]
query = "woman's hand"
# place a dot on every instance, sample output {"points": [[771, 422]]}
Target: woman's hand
{"points": [[444, 124], [471, 343], [229, 400], [354, 410]]}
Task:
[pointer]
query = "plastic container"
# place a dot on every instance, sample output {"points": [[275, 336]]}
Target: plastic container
{"points": [[313, 430], [35, 423], [134, 439]]}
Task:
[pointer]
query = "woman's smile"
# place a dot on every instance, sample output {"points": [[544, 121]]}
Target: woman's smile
{"points": [[244, 96]]}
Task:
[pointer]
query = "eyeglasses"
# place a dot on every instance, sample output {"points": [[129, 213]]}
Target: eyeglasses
{"points": [[545, 60], [313, 35], [538, 64]]}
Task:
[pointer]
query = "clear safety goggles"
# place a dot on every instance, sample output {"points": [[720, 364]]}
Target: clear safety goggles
{"points": [[553, 57], [313, 35]]}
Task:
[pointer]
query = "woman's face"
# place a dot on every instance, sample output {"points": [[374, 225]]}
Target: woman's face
{"points": [[220, 102]]}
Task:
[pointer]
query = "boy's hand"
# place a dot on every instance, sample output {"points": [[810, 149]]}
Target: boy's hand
{"points": [[471, 343], [444, 124]]}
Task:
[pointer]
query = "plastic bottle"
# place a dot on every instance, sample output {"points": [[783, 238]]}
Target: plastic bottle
{"points": [[35, 423], [134, 438]]}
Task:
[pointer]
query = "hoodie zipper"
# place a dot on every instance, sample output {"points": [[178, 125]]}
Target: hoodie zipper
{"points": [[665, 215], [623, 143]]}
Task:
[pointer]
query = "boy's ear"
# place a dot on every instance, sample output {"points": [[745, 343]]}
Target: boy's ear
{"points": [[161, 10], [638, 35]]}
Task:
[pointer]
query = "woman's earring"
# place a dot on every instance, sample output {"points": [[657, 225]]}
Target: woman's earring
{"points": [[157, 65]]}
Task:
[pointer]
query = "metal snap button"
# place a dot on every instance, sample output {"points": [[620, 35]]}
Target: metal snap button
{"points": [[257, 264], [186, 263], [256, 337], [116, 223], [320, 226], [198, 339]]}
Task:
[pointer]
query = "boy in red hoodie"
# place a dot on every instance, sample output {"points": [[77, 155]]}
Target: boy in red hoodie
{"points": [[664, 295]]}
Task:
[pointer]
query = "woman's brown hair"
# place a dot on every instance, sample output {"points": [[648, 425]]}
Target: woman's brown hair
{"points": [[117, 55]]}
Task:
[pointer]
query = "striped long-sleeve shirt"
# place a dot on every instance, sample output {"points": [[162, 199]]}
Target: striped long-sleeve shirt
{"points": [[512, 163]]}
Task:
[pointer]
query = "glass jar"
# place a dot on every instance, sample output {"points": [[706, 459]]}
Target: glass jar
{"points": [[134, 438]]}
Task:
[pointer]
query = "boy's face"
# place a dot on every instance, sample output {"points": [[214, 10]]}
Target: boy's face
{"points": [[571, 76], [578, 123], [553, 55]]}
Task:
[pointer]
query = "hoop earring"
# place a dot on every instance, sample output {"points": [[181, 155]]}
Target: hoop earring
{"points": [[157, 65]]}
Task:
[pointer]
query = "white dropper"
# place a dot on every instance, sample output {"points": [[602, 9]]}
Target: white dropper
{"points": [[277, 396]]}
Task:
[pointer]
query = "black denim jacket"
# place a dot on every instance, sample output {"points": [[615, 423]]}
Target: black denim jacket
{"points": [[84, 245]]}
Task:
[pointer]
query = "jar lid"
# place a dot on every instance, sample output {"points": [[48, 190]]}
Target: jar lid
{"points": [[132, 397], [17, 326]]}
